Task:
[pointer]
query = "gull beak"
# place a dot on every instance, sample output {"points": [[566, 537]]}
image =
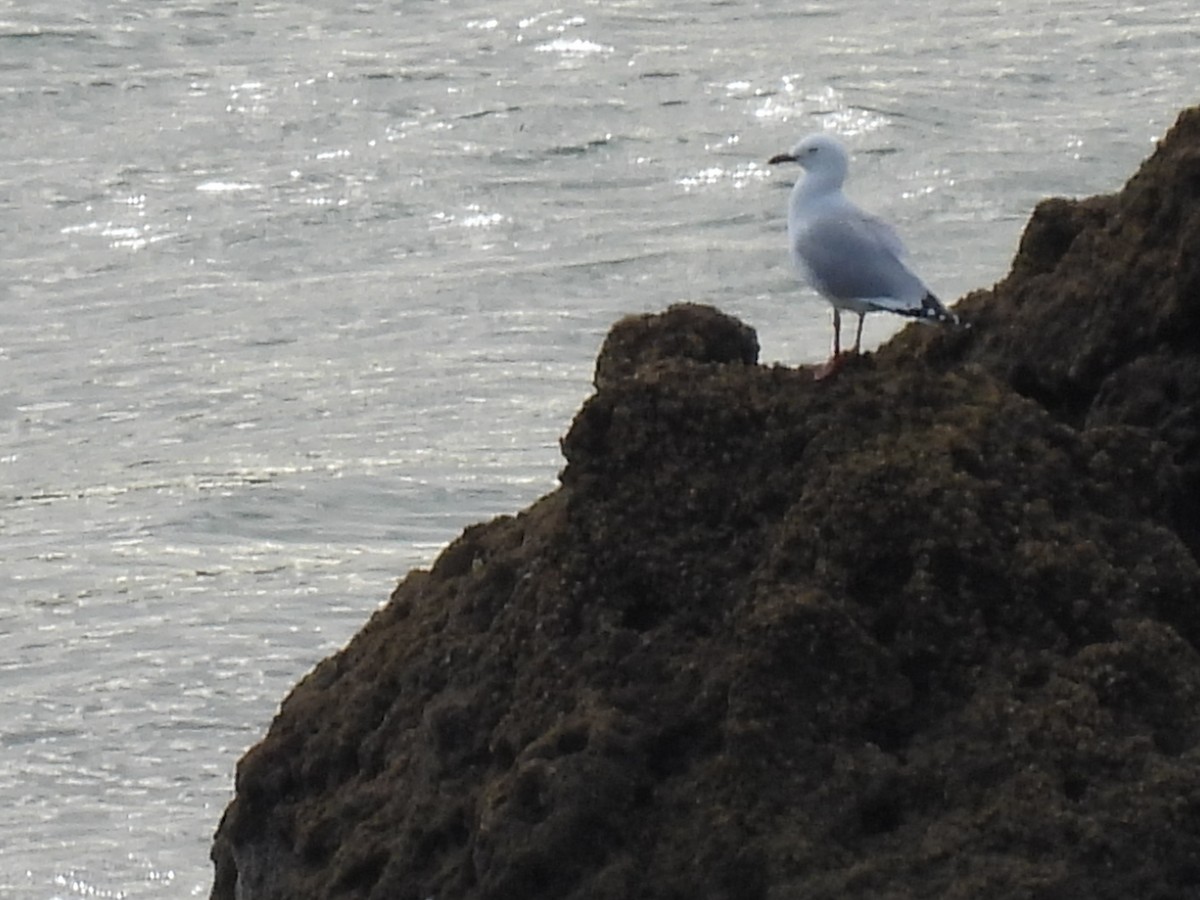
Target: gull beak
{"points": [[781, 158]]}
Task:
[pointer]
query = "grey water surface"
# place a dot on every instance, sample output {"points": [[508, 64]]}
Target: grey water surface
{"points": [[290, 294]]}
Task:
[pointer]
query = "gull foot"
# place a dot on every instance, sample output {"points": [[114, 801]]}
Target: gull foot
{"points": [[828, 368]]}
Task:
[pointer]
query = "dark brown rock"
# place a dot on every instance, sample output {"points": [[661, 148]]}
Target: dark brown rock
{"points": [[927, 628], [1099, 320], [684, 332]]}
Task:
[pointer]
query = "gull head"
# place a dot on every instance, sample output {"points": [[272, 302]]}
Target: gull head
{"points": [[820, 155]]}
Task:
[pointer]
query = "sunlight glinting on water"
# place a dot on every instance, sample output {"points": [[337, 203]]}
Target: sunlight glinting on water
{"points": [[296, 294]]}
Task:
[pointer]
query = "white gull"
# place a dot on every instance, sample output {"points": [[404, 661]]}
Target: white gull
{"points": [[853, 259]]}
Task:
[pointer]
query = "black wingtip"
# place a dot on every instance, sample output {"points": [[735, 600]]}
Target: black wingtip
{"points": [[934, 310]]}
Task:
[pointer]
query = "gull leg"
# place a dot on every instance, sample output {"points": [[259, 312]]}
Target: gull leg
{"points": [[858, 334], [835, 361]]}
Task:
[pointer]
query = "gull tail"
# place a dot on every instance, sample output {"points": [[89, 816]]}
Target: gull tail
{"points": [[933, 310]]}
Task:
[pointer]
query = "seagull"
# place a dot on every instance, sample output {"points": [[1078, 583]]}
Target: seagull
{"points": [[853, 259]]}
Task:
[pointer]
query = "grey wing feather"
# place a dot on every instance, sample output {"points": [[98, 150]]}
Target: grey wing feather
{"points": [[884, 233], [852, 256]]}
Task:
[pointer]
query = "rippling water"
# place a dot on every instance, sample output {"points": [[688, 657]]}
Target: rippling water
{"points": [[288, 296]]}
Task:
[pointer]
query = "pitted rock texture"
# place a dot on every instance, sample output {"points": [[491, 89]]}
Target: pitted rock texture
{"points": [[924, 629]]}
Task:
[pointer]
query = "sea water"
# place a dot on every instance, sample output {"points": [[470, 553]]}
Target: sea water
{"points": [[290, 294]]}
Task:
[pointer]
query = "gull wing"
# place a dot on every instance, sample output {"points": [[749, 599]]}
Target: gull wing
{"points": [[850, 255]]}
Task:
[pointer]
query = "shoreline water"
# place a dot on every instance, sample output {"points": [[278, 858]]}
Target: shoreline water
{"points": [[236, 242]]}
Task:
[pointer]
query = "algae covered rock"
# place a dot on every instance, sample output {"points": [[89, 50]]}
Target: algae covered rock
{"points": [[928, 628], [1099, 319]]}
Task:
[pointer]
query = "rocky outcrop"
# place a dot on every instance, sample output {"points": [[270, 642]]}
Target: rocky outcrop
{"points": [[1099, 320], [927, 628]]}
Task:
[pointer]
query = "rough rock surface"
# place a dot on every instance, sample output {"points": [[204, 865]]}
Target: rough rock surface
{"points": [[928, 628], [1099, 320]]}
